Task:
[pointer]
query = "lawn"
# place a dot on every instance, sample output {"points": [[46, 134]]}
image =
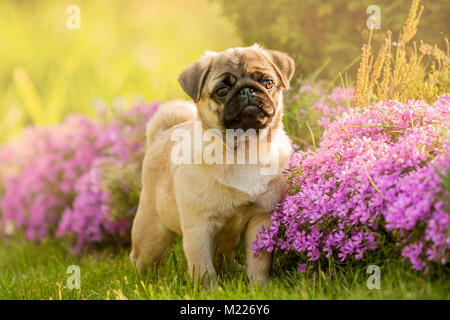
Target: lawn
{"points": [[31, 271]]}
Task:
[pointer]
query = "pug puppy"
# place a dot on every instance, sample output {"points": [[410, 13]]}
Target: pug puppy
{"points": [[210, 204]]}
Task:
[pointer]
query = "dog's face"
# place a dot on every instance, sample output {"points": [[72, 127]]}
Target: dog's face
{"points": [[239, 88]]}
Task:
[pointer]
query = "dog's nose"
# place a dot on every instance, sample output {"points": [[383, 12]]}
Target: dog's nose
{"points": [[247, 92]]}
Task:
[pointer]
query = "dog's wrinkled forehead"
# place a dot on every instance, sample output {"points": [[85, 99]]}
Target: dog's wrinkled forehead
{"points": [[240, 62]]}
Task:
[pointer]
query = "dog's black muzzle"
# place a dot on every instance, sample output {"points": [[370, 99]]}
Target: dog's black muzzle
{"points": [[249, 107]]}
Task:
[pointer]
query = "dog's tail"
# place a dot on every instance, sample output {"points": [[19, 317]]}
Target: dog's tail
{"points": [[168, 115]]}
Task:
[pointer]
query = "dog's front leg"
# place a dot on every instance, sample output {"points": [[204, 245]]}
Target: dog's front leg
{"points": [[198, 248], [257, 267]]}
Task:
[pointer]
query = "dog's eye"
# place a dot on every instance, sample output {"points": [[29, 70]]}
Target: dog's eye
{"points": [[268, 84], [222, 92]]}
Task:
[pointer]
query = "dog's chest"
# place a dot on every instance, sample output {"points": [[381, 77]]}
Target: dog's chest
{"points": [[245, 178], [248, 192]]}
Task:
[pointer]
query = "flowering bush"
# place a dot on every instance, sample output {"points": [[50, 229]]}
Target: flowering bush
{"points": [[377, 170], [55, 179], [333, 104]]}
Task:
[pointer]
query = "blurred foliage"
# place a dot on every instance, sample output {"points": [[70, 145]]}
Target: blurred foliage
{"points": [[124, 51], [404, 72], [300, 119], [313, 31]]}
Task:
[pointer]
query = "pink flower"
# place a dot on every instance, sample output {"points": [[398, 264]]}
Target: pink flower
{"points": [[52, 177], [302, 268], [376, 170]]}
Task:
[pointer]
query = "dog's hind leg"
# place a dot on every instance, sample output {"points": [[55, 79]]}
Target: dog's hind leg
{"points": [[150, 239]]}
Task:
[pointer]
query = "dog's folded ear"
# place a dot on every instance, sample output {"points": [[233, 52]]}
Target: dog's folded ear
{"points": [[284, 65], [192, 79]]}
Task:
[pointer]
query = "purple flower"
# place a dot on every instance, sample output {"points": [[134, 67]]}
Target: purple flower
{"points": [[52, 178], [302, 268], [376, 169]]}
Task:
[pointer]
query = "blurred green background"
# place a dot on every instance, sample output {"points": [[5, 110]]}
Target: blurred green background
{"points": [[124, 51], [315, 32], [134, 50]]}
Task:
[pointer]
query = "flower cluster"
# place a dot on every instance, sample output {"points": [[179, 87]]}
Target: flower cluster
{"points": [[52, 177], [333, 104], [376, 171]]}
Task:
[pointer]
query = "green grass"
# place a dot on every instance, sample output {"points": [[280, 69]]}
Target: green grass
{"points": [[31, 271]]}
